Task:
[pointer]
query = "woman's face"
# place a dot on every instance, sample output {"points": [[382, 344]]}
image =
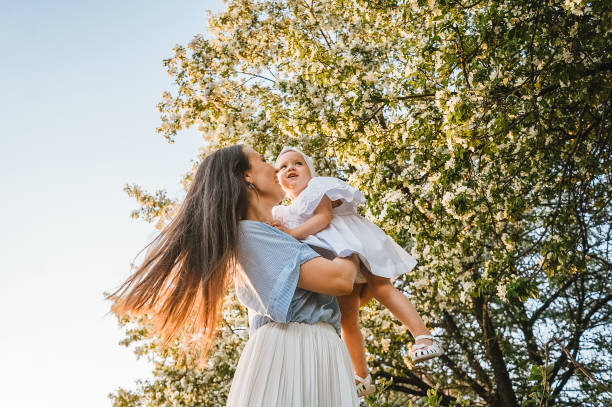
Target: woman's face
{"points": [[263, 175]]}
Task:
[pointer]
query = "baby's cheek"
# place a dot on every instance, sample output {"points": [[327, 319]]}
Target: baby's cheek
{"points": [[282, 181]]}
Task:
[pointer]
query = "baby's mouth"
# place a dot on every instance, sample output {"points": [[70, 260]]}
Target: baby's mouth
{"points": [[292, 175]]}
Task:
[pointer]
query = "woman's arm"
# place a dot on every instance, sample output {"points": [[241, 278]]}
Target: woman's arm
{"points": [[332, 277], [318, 221]]}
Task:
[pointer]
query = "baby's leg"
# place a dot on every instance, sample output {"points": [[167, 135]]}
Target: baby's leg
{"points": [[349, 309], [366, 294], [399, 305]]}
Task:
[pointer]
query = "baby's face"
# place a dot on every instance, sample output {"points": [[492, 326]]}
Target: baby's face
{"points": [[293, 173]]}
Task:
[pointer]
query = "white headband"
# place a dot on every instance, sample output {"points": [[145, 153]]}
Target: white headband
{"points": [[308, 160]]}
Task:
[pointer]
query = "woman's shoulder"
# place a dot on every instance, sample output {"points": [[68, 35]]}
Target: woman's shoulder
{"points": [[254, 235], [263, 248], [269, 268], [254, 228]]}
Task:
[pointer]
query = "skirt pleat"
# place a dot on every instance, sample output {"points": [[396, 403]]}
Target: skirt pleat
{"points": [[294, 365]]}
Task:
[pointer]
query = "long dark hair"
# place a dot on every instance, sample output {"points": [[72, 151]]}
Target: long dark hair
{"points": [[182, 280]]}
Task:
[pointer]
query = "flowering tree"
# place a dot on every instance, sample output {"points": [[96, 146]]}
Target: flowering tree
{"points": [[480, 133]]}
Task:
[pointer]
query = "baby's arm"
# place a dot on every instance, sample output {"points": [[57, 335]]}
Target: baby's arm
{"points": [[318, 221]]}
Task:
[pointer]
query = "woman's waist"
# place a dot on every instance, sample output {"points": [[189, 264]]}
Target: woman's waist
{"points": [[323, 309], [297, 327]]}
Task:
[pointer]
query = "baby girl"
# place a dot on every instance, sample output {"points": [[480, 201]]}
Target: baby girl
{"points": [[323, 213]]}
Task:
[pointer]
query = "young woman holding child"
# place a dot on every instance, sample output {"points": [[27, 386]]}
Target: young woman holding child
{"points": [[294, 356]]}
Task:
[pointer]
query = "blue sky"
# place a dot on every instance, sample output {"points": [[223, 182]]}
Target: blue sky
{"points": [[79, 82]]}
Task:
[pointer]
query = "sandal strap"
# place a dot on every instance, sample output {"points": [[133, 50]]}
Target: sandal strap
{"points": [[419, 337], [363, 380]]}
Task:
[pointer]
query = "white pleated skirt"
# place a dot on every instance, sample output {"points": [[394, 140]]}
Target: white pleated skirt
{"points": [[294, 365]]}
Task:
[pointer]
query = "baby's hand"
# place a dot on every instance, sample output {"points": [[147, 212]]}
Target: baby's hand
{"points": [[280, 226]]}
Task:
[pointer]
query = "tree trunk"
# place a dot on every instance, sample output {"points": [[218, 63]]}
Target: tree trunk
{"points": [[504, 390]]}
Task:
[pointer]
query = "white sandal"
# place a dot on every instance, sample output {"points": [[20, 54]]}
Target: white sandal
{"points": [[422, 352], [365, 386]]}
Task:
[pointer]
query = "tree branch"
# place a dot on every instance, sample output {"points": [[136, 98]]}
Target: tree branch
{"points": [[460, 373], [421, 391], [551, 299], [255, 75], [526, 327], [505, 393], [407, 97], [453, 330], [461, 54]]}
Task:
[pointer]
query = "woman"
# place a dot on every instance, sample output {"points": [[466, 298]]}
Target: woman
{"points": [[294, 356]]}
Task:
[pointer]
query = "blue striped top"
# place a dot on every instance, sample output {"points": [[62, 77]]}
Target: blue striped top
{"points": [[267, 284]]}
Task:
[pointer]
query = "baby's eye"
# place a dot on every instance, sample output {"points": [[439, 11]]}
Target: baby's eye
{"points": [[298, 163]]}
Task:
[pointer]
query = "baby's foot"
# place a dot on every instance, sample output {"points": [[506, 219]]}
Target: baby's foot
{"points": [[425, 348], [425, 341], [364, 385]]}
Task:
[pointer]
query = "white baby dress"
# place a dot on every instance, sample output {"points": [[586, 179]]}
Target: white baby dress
{"points": [[348, 232]]}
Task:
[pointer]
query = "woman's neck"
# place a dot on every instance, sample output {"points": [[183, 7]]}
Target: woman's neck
{"points": [[260, 211]]}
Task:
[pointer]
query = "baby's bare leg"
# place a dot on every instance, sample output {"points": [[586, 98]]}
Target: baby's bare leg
{"points": [[366, 294], [349, 308], [399, 305]]}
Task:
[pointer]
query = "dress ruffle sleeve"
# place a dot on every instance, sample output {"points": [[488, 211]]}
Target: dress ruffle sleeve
{"points": [[334, 188], [279, 212]]}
